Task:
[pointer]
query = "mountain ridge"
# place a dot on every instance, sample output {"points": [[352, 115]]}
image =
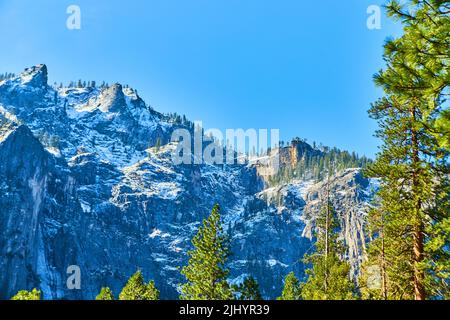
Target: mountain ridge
{"points": [[105, 199]]}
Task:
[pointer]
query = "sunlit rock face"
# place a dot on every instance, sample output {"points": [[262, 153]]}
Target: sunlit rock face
{"points": [[350, 194], [80, 184]]}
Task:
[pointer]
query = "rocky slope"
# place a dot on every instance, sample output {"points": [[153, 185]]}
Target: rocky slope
{"points": [[81, 185]]}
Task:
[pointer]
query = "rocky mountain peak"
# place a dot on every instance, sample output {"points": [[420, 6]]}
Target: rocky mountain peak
{"points": [[36, 76], [113, 99], [290, 155]]}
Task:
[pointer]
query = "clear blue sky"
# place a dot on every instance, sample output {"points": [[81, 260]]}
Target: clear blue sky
{"points": [[304, 67]]}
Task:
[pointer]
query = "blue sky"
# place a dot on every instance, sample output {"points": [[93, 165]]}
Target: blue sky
{"points": [[304, 67]]}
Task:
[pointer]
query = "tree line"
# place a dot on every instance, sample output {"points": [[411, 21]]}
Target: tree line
{"points": [[6, 76]]}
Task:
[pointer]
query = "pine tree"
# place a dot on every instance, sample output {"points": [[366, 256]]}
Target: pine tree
{"points": [[105, 294], [291, 290], [152, 292], [206, 272], [248, 290], [413, 162], [27, 295], [136, 289], [329, 276]]}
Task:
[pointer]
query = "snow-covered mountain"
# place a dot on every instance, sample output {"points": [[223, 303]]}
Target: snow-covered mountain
{"points": [[80, 184]]}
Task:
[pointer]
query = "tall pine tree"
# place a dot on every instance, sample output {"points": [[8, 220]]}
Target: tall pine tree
{"points": [[412, 221], [206, 273]]}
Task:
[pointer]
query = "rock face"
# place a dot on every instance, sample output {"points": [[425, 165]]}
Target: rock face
{"points": [[79, 185], [351, 194], [36, 198], [289, 156]]}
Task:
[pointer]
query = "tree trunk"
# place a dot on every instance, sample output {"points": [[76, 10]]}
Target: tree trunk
{"points": [[419, 277], [418, 238], [383, 263]]}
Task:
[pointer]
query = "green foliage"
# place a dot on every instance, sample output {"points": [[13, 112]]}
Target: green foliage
{"points": [[291, 290], [329, 276], [206, 273], [411, 223], [442, 130], [27, 295], [248, 290], [105, 294], [328, 280], [136, 289]]}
